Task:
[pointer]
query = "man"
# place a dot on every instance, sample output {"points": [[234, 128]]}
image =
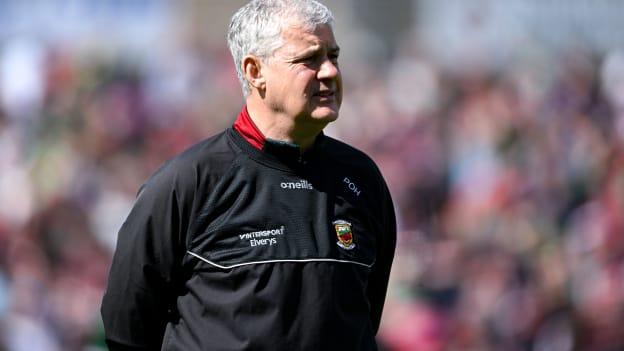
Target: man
{"points": [[269, 235]]}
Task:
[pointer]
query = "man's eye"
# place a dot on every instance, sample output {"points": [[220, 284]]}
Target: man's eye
{"points": [[308, 60]]}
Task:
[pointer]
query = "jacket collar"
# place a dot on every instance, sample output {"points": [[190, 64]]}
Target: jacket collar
{"points": [[285, 152], [246, 127]]}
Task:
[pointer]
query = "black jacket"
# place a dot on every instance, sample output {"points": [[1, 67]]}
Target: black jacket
{"points": [[229, 247]]}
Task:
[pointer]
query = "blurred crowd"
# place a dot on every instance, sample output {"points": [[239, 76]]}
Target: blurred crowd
{"points": [[508, 185], [510, 191]]}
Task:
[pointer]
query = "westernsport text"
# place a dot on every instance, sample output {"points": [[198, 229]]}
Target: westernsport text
{"points": [[262, 237]]}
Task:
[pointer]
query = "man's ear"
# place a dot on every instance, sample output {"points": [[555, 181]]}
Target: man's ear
{"points": [[252, 68]]}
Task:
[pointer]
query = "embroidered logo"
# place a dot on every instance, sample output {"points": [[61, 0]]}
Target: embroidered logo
{"points": [[344, 234], [263, 237], [302, 184]]}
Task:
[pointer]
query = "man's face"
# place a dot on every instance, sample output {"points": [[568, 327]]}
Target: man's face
{"points": [[303, 80]]}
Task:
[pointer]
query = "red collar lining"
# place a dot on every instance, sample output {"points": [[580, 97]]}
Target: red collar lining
{"points": [[248, 129]]}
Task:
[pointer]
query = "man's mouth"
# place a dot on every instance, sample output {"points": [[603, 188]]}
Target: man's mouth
{"points": [[325, 93]]}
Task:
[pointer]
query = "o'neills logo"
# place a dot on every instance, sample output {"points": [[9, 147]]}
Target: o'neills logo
{"points": [[302, 184]]}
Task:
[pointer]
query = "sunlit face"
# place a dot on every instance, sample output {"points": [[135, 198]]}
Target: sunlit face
{"points": [[302, 77]]}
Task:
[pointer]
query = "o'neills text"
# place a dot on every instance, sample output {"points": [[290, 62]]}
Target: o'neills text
{"points": [[302, 184]]}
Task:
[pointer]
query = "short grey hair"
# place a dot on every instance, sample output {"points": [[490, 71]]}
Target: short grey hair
{"points": [[256, 28]]}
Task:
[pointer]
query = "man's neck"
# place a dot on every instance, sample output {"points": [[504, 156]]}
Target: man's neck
{"points": [[279, 126]]}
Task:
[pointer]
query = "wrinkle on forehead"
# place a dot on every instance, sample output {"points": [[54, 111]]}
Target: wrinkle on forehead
{"points": [[297, 39]]}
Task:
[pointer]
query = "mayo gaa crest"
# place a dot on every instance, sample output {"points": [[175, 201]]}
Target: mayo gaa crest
{"points": [[344, 234]]}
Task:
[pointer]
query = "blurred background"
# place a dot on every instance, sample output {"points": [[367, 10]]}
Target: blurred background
{"points": [[498, 124]]}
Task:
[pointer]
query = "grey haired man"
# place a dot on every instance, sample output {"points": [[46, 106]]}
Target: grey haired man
{"points": [[269, 235]]}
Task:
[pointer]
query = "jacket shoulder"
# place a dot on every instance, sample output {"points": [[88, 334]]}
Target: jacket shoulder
{"points": [[206, 160], [344, 154]]}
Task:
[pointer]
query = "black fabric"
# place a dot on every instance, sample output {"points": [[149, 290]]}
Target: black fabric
{"points": [[233, 248]]}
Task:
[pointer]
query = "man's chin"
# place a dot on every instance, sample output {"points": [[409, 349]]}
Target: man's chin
{"points": [[325, 114]]}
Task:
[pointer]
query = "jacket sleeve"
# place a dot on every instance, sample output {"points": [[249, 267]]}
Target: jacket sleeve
{"points": [[141, 287], [380, 274]]}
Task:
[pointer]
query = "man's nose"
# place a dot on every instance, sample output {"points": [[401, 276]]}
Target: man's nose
{"points": [[328, 70]]}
